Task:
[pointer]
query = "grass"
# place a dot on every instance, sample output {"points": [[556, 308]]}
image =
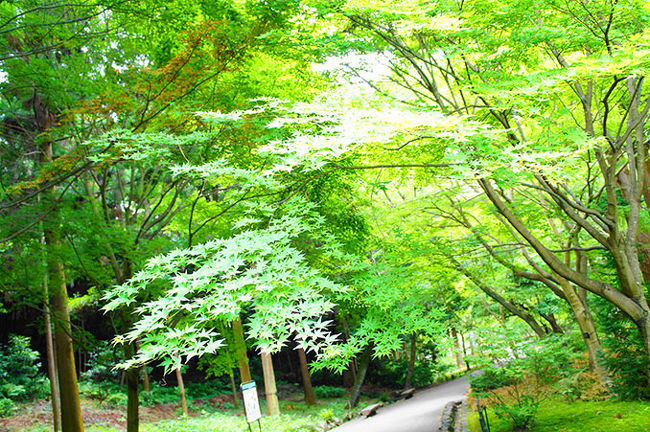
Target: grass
{"points": [[558, 415]]}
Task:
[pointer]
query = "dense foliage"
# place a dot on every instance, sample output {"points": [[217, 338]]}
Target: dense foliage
{"points": [[368, 190]]}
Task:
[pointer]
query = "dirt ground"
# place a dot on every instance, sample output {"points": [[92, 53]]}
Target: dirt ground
{"points": [[40, 413]]}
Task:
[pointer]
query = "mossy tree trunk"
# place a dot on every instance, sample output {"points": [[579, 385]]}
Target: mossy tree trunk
{"points": [[240, 351]]}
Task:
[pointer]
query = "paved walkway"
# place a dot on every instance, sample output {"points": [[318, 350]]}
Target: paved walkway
{"points": [[421, 413]]}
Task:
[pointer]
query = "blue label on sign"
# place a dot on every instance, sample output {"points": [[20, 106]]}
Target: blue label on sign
{"points": [[248, 385]]}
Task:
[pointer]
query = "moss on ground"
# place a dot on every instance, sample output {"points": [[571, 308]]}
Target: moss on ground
{"points": [[557, 415]]}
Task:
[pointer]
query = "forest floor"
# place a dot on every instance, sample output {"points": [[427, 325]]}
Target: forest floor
{"points": [[204, 414]]}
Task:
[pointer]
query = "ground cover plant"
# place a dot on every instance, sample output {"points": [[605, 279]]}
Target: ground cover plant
{"points": [[559, 415]]}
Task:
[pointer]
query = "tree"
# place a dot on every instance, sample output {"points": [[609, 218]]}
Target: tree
{"points": [[506, 77]]}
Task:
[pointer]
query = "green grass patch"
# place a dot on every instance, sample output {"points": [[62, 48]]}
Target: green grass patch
{"points": [[557, 415]]}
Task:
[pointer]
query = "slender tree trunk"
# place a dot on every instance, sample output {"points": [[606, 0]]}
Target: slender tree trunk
{"points": [[310, 397], [68, 388], [411, 368], [240, 351], [51, 368], [462, 343], [272, 403], [587, 329], [361, 376], [181, 391], [146, 386], [233, 386], [457, 351], [49, 343], [71, 420]]}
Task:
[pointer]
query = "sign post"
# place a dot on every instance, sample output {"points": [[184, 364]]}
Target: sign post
{"points": [[251, 404]]}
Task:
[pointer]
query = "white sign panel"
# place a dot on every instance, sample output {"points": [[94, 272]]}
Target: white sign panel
{"points": [[251, 402]]}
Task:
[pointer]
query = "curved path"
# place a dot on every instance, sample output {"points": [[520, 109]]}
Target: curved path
{"points": [[421, 413]]}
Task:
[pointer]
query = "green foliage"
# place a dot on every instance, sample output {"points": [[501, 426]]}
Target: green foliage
{"points": [[101, 362], [258, 265], [19, 370], [392, 373], [556, 414], [328, 392], [624, 353], [7, 407], [112, 394], [524, 377]]}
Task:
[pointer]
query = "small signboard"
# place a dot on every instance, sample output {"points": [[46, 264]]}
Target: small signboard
{"points": [[251, 402]]}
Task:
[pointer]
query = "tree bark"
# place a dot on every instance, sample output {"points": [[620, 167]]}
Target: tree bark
{"points": [[310, 397], [181, 391], [146, 386], [411, 367], [233, 386], [51, 367], [272, 404], [240, 351], [49, 343], [361, 376], [457, 352], [133, 401], [71, 420]]}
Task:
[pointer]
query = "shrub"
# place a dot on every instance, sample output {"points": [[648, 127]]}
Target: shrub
{"points": [[19, 369], [327, 392], [517, 386], [7, 407], [100, 363], [624, 353]]}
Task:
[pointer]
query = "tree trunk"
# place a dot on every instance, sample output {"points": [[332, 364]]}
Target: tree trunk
{"points": [[146, 386], [411, 368], [233, 386], [49, 342], [51, 367], [133, 401], [240, 351], [587, 329], [68, 388], [310, 397], [361, 376], [272, 403], [457, 352], [181, 391], [462, 344], [71, 420]]}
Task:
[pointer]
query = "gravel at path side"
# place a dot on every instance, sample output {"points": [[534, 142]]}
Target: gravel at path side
{"points": [[421, 413]]}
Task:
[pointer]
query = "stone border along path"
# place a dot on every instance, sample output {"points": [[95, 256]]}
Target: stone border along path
{"points": [[421, 413]]}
